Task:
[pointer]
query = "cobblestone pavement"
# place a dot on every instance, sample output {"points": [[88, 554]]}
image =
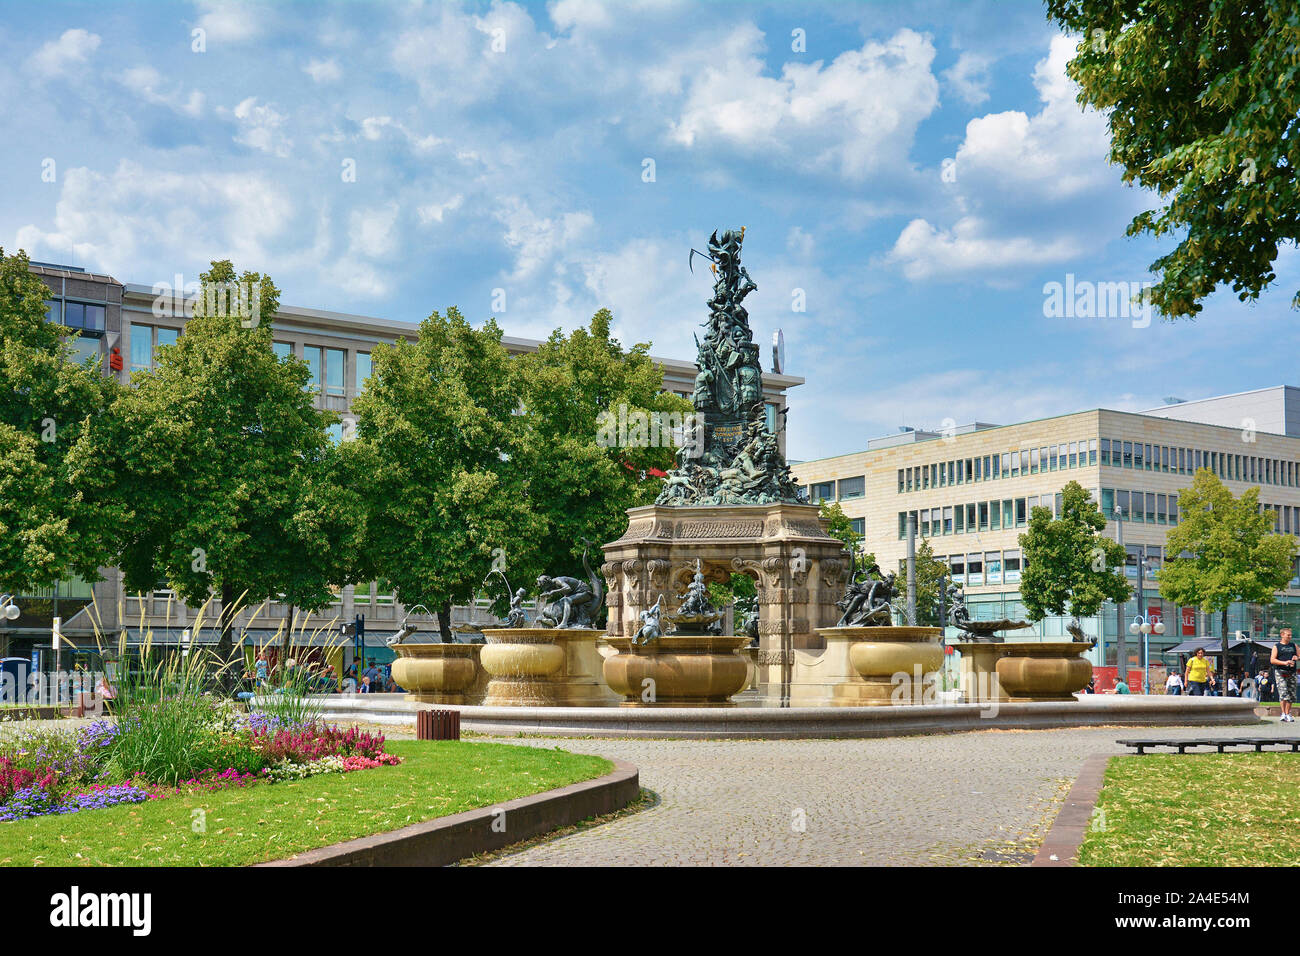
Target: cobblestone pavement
{"points": [[979, 798]]}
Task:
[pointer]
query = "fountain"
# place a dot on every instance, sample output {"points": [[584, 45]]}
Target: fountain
{"points": [[893, 664], [554, 661], [729, 505], [995, 670], [695, 663]]}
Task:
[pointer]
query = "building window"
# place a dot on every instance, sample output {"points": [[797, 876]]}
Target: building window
{"points": [[1105, 451], [992, 567], [283, 350], [859, 526], [334, 372], [83, 315], [852, 487], [822, 491], [1092, 451], [85, 348], [769, 410], [1011, 566]]}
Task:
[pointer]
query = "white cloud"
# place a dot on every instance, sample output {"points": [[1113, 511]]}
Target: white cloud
{"points": [[435, 212], [259, 127], [537, 240], [969, 77], [229, 22], [1059, 151], [323, 71], [71, 48], [851, 116], [373, 127], [372, 231], [925, 252], [148, 84], [138, 223], [1025, 191]]}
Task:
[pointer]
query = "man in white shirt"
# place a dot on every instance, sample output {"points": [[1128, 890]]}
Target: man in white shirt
{"points": [[1174, 685]]}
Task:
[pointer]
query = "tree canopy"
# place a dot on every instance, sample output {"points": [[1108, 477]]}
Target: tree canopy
{"points": [[1202, 98], [1224, 550], [1069, 565], [50, 526], [597, 426], [214, 453], [440, 436]]}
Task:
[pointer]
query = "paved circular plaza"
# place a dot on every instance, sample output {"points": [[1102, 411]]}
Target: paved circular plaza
{"points": [[980, 798]]}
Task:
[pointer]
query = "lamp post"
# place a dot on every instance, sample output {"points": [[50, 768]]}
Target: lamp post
{"points": [[1142, 623], [1121, 645]]}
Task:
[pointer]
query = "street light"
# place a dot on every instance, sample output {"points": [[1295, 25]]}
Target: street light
{"points": [[1143, 622], [10, 607]]}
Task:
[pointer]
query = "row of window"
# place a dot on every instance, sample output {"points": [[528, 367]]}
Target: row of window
{"points": [[1012, 464], [980, 567], [977, 516], [848, 488], [1185, 461]]}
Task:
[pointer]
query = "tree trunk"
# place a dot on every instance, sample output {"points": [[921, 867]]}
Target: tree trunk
{"points": [[444, 623], [1223, 659]]}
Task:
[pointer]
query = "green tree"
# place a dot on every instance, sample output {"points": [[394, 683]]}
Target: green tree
{"points": [[839, 525], [440, 433], [598, 423], [1202, 100], [49, 527], [930, 575], [1225, 551], [214, 451], [1069, 565]]}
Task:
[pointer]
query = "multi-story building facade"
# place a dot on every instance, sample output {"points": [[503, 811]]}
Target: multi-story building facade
{"points": [[971, 490], [123, 325]]}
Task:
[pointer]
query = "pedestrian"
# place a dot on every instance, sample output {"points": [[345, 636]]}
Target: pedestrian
{"points": [[1199, 673], [1283, 660], [1121, 686], [261, 669], [1174, 685]]}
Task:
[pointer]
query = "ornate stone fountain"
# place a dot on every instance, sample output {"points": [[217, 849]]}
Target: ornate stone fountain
{"points": [[729, 505], [554, 661], [994, 669], [693, 663], [894, 664]]}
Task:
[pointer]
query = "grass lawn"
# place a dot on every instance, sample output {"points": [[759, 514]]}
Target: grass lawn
{"points": [[1238, 809], [270, 821]]}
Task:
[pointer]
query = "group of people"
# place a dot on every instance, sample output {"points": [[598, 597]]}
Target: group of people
{"points": [[374, 678], [1198, 677]]}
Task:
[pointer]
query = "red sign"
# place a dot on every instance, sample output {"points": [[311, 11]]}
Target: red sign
{"points": [[115, 359], [1189, 622]]}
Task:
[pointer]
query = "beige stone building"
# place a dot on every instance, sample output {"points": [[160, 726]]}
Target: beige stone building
{"points": [[971, 490], [124, 325]]}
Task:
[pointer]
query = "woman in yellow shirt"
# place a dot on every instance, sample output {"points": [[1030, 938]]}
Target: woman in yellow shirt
{"points": [[1199, 671]]}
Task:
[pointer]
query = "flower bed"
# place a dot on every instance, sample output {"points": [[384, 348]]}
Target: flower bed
{"points": [[167, 748]]}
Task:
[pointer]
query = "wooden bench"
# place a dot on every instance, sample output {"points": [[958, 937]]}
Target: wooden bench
{"points": [[1220, 743]]}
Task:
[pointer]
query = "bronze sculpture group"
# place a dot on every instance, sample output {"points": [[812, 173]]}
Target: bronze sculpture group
{"points": [[739, 460], [868, 599]]}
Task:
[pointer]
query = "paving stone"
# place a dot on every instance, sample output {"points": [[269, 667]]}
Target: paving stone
{"points": [[983, 798]]}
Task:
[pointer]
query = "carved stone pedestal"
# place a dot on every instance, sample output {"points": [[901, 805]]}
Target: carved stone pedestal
{"points": [[979, 675], [798, 568]]}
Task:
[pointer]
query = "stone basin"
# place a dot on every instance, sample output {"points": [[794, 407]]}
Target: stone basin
{"points": [[1050, 670], [677, 669], [436, 673], [898, 664]]}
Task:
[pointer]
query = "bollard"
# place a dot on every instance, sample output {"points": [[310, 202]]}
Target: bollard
{"points": [[437, 725]]}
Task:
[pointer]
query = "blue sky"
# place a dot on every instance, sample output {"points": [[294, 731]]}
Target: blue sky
{"points": [[919, 170]]}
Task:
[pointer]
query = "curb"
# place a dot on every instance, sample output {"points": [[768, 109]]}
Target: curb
{"points": [[1071, 824], [448, 839], [778, 723]]}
